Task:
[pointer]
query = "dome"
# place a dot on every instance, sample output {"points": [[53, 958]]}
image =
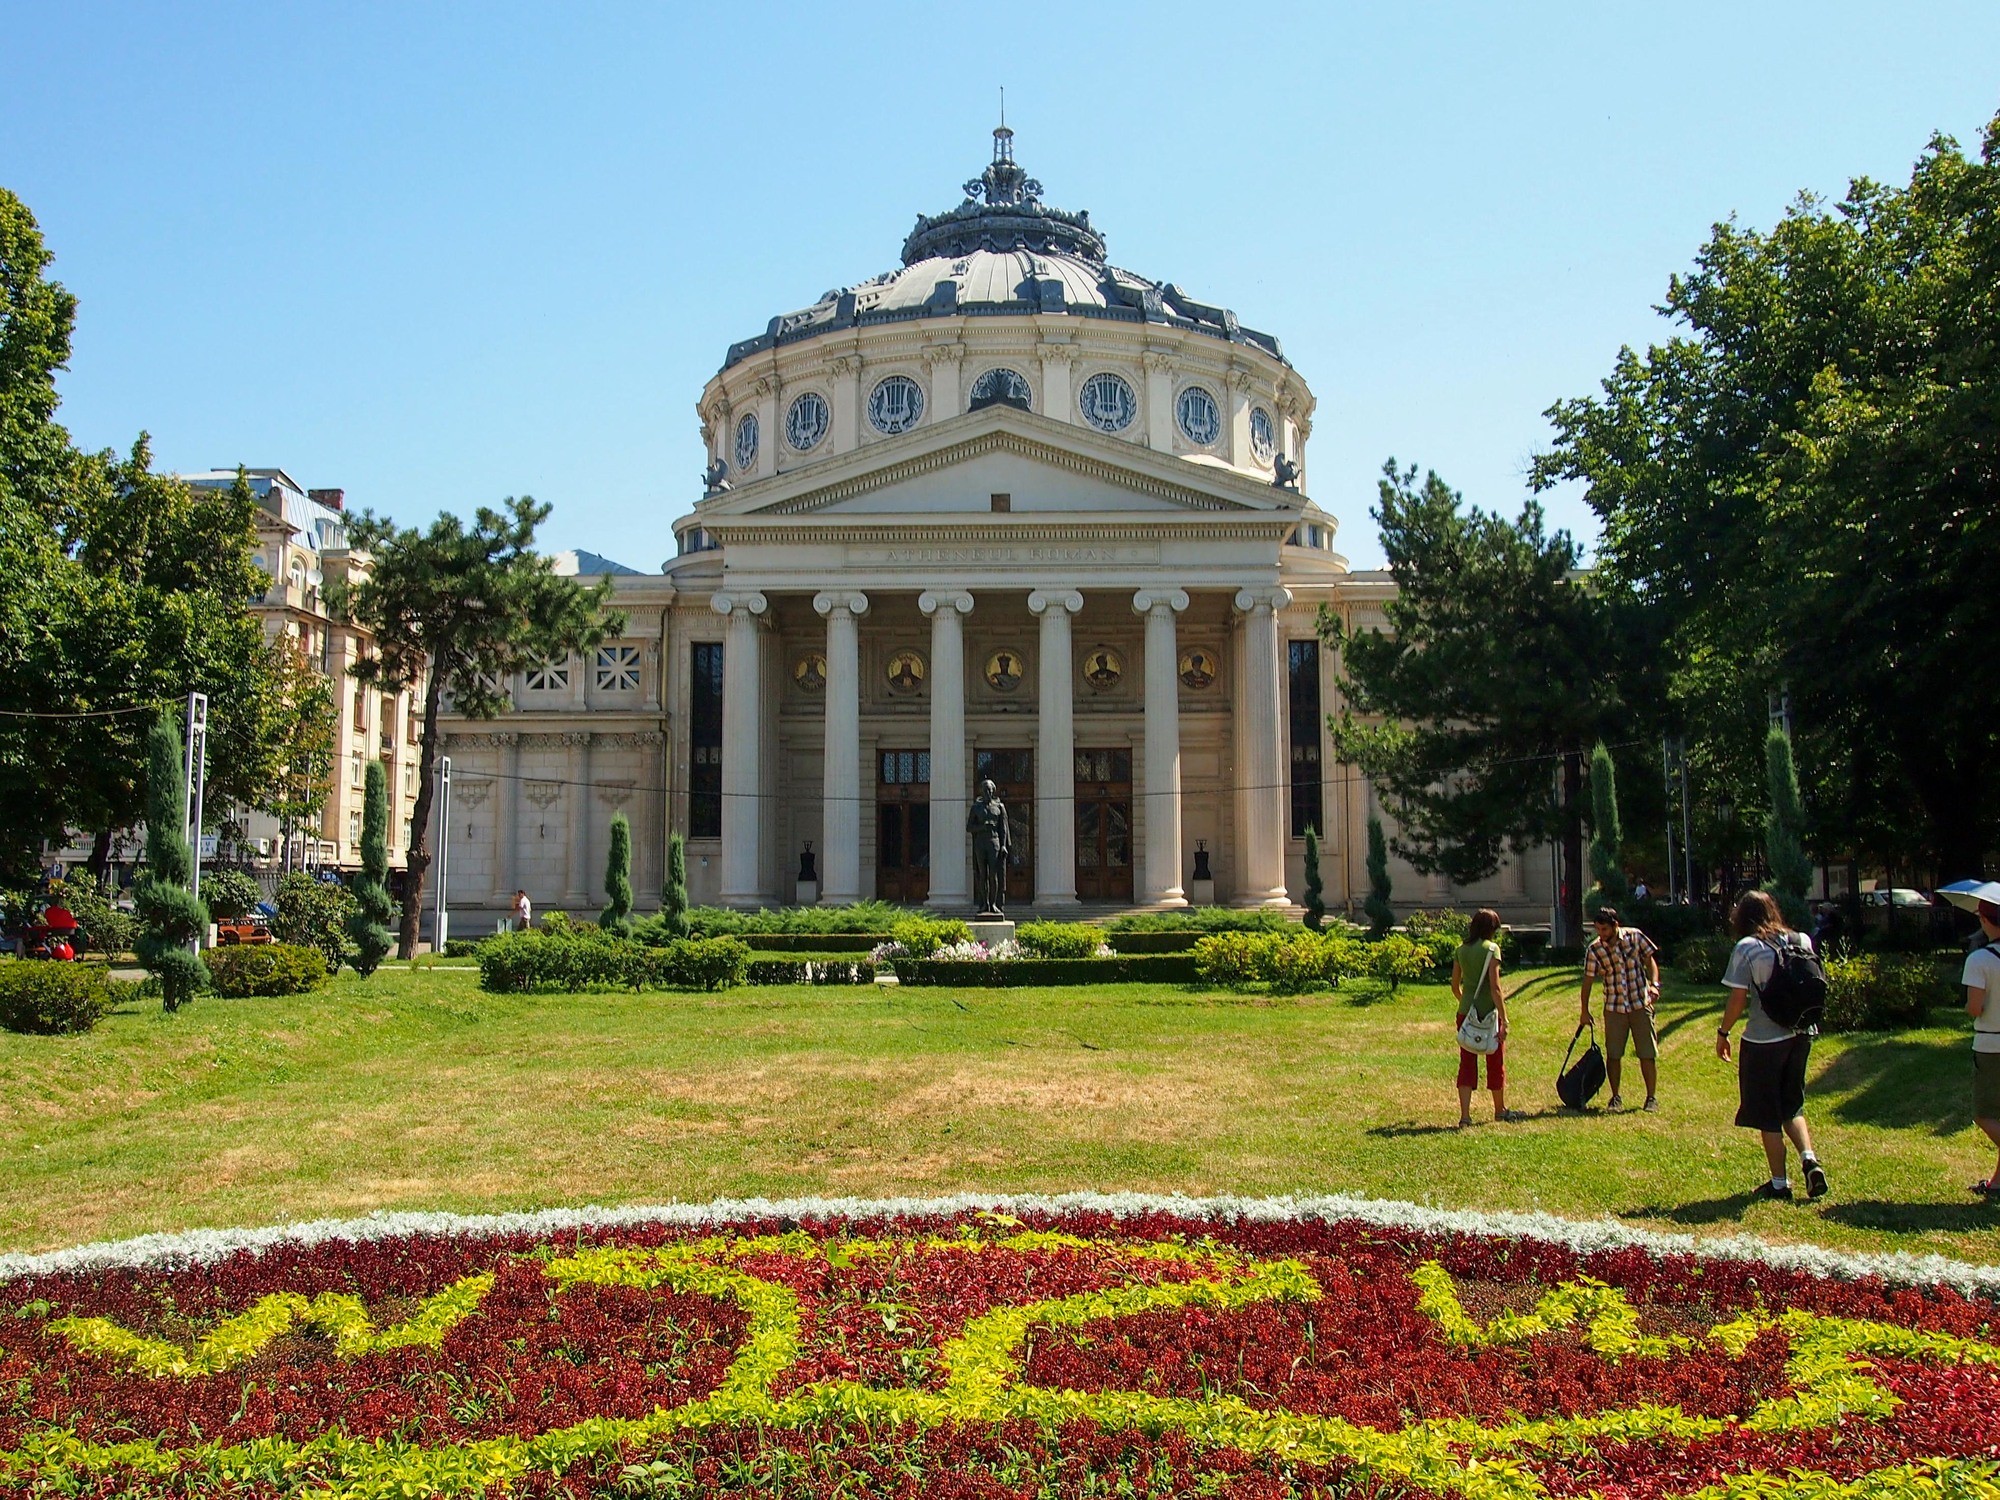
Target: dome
{"points": [[1003, 252]]}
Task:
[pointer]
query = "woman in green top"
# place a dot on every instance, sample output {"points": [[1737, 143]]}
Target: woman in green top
{"points": [[1475, 984]]}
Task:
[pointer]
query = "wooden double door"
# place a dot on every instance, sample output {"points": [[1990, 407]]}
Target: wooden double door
{"points": [[1104, 825], [903, 826]]}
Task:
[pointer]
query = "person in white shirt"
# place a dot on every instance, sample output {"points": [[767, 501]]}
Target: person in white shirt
{"points": [[524, 912], [1771, 1074], [1982, 1002]]}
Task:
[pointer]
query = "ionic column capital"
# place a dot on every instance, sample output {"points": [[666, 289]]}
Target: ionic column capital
{"points": [[854, 604], [1043, 600], [930, 601], [1274, 599], [1147, 600], [749, 601]]}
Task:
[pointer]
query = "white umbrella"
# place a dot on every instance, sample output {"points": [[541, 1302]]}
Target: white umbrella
{"points": [[1967, 894]]}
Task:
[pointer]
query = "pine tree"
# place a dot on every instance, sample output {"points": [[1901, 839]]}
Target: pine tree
{"points": [[1381, 915], [1315, 886], [369, 926], [1607, 836], [1784, 829], [674, 895], [171, 918], [618, 877]]}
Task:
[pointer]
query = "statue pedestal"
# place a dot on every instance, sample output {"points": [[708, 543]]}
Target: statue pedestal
{"points": [[990, 931]]}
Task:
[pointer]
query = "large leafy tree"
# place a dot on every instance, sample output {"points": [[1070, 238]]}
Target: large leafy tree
{"points": [[1804, 484], [459, 609], [120, 590], [303, 726], [1502, 663]]}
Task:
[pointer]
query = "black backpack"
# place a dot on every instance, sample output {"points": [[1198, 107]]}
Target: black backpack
{"points": [[1577, 1086], [1795, 994]]}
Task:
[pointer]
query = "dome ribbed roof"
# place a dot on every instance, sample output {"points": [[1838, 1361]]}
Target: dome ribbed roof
{"points": [[1003, 251]]}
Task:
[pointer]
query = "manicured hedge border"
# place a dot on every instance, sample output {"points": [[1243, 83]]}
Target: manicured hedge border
{"points": [[1154, 942], [1158, 968], [813, 942]]}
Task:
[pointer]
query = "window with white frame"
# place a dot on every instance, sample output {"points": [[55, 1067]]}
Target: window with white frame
{"points": [[354, 770], [617, 669], [549, 677], [354, 828]]}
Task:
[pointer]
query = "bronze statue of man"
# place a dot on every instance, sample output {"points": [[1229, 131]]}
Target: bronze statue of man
{"points": [[986, 828]]}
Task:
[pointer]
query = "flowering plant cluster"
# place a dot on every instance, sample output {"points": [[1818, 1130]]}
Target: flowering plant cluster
{"points": [[863, 1349]]}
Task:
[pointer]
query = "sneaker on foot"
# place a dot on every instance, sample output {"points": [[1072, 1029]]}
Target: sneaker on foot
{"points": [[1617, 1101], [1651, 1106], [1769, 1189], [1816, 1184]]}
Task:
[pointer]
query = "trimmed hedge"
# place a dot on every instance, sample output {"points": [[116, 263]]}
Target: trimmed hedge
{"points": [[1702, 960], [576, 958], [1206, 919], [1882, 991], [863, 916], [1126, 940], [53, 999], [246, 970], [1059, 939], [818, 971], [1156, 968], [813, 942]]}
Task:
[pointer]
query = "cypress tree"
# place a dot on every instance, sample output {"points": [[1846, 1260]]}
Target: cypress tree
{"points": [[674, 895], [618, 877], [171, 919], [1381, 915], [374, 911], [1785, 828], [1315, 887], [1607, 836]]}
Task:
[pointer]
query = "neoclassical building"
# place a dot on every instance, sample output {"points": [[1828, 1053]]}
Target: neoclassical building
{"points": [[1007, 512]]}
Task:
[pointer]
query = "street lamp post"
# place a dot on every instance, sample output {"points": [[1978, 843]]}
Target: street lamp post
{"points": [[441, 933]]}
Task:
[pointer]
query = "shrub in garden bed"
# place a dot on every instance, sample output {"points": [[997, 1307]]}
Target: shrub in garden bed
{"points": [[1130, 940], [1882, 991], [862, 916], [812, 942], [247, 970], [559, 957], [54, 999], [1156, 968], [1203, 919], [1061, 939], [1703, 960]]}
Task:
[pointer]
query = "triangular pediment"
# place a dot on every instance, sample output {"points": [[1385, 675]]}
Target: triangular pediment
{"points": [[1044, 467]]}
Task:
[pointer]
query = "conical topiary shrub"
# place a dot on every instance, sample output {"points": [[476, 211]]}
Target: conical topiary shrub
{"points": [[1381, 915], [369, 926], [618, 877], [1315, 886], [674, 895], [172, 920], [1607, 836], [1785, 828]]}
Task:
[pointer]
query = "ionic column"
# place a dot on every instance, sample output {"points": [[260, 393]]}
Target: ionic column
{"points": [[581, 802], [1261, 797], [1162, 883], [840, 817], [947, 609], [506, 822], [742, 747], [1055, 750]]}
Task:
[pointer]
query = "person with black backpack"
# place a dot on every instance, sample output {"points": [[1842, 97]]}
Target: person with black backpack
{"points": [[1774, 975]]}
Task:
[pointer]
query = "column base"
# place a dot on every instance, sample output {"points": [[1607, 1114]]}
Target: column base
{"points": [[1280, 898], [1172, 900]]}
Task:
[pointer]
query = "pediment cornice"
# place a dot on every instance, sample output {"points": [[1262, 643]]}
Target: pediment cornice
{"points": [[786, 530]]}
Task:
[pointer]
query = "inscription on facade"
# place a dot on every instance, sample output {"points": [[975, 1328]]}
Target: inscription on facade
{"points": [[1004, 554]]}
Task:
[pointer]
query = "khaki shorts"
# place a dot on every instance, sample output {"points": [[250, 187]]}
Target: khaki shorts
{"points": [[1638, 1025]]}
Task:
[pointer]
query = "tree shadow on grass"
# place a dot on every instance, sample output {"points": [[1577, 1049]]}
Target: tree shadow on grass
{"points": [[1899, 1082], [1691, 1013], [1915, 1218]]}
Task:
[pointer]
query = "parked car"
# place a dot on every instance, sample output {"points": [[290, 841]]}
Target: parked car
{"points": [[1905, 899], [250, 929]]}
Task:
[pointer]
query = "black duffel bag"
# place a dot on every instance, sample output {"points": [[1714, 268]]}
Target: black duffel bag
{"points": [[1577, 1084]]}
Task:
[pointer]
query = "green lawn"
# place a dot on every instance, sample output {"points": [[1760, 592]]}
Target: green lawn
{"points": [[416, 1090]]}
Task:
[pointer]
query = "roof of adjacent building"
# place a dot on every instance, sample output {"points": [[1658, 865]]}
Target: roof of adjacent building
{"points": [[581, 564], [314, 525], [1004, 251]]}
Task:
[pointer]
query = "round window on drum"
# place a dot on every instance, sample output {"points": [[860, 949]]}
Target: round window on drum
{"points": [[746, 442], [896, 405], [1263, 436], [807, 421], [1200, 419], [1001, 388], [1107, 402]]}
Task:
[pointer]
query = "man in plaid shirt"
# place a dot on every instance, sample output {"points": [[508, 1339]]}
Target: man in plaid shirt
{"points": [[1628, 963]]}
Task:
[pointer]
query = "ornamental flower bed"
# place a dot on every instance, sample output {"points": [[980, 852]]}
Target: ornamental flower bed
{"points": [[1044, 1348]]}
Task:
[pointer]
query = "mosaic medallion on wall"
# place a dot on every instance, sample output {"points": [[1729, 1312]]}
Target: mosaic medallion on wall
{"points": [[809, 672], [907, 672], [1198, 668], [1005, 669], [1103, 668]]}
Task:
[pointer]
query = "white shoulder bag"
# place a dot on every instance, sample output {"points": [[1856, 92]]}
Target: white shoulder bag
{"points": [[1477, 1033]]}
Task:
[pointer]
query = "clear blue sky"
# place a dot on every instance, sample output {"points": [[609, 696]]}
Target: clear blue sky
{"points": [[438, 254]]}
